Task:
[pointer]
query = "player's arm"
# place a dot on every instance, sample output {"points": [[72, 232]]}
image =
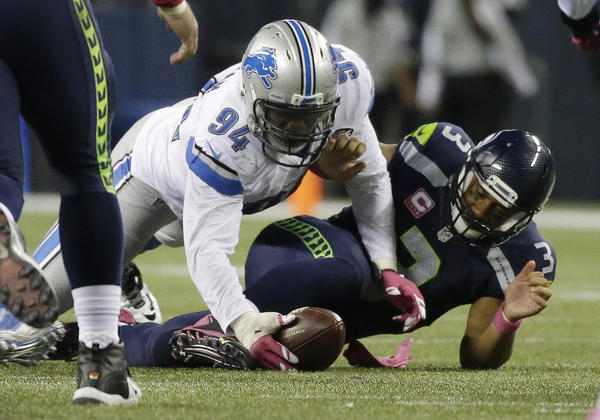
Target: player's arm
{"points": [[492, 323], [211, 224], [180, 19], [388, 151], [582, 17], [373, 207]]}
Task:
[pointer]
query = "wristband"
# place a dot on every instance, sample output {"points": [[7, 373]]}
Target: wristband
{"points": [[180, 8], [503, 325]]}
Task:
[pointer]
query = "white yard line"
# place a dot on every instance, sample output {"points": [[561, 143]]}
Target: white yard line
{"points": [[555, 216]]}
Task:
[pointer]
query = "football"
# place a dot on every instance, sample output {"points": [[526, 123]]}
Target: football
{"points": [[316, 336]]}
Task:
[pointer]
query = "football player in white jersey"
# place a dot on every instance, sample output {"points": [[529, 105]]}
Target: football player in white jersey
{"points": [[243, 145]]}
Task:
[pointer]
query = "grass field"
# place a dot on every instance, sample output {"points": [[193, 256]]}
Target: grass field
{"points": [[554, 371]]}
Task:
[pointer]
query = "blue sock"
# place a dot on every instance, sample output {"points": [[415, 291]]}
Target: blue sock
{"points": [[91, 236]]}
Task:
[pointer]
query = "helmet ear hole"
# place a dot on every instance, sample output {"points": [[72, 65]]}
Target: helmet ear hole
{"points": [[285, 73]]}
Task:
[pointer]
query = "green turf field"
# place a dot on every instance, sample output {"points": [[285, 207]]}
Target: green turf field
{"points": [[554, 371]]}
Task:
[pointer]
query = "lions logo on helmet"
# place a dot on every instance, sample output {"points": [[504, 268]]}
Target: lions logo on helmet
{"points": [[263, 64]]}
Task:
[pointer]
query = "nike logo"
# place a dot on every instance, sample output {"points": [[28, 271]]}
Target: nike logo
{"points": [[151, 317], [212, 152], [223, 340]]}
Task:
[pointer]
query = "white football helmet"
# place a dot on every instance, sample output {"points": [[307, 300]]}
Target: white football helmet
{"points": [[289, 85]]}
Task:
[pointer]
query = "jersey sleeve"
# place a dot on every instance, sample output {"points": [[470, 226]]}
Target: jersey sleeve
{"points": [[370, 190], [437, 150], [355, 85], [211, 224], [508, 260], [372, 203]]}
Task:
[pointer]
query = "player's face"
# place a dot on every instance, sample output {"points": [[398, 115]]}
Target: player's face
{"points": [[484, 207], [297, 123]]}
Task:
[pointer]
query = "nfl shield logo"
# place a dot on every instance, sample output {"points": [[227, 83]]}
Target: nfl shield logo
{"points": [[419, 203]]}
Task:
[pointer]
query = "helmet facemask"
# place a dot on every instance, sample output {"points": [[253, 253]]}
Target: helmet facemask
{"points": [[506, 221], [298, 131]]}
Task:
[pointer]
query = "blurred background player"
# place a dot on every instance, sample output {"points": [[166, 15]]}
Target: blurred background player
{"points": [[583, 19], [463, 216], [242, 146], [471, 52], [56, 74], [388, 26]]}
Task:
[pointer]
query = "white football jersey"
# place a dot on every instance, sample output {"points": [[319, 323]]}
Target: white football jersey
{"points": [[210, 169]]}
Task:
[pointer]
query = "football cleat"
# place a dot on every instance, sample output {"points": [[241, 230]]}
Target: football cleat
{"points": [[103, 377], [67, 348], [23, 289], [205, 345], [136, 298], [20, 343]]}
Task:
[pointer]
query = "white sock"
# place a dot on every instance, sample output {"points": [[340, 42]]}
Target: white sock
{"points": [[97, 311]]}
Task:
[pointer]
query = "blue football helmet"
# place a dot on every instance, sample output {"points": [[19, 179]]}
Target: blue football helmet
{"points": [[517, 170], [289, 86]]}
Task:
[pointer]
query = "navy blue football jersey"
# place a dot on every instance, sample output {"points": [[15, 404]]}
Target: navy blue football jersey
{"points": [[448, 272]]}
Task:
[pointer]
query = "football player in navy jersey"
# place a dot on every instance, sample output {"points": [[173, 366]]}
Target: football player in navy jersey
{"points": [[57, 76], [465, 236]]}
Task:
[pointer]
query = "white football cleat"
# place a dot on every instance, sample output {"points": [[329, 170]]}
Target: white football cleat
{"points": [[23, 344]]}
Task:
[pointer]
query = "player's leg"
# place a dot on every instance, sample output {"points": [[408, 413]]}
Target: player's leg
{"points": [[17, 270], [67, 100], [283, 273], [189, 340], [147, 345], [11, 154]]}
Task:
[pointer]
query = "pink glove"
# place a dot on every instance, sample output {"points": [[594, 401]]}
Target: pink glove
{"points": [[406, 296], [589, 43], [254, 331], [358, 355], [270, 354]]}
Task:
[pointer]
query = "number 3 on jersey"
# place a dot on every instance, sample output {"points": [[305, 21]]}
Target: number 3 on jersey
{"points": [[224, 122]]}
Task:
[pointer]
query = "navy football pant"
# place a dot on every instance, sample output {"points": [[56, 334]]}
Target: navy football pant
{"points": [[283, 274], [54, 72]]}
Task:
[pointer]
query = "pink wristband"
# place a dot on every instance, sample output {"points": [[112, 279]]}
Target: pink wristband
{"points": [[503, 325]]}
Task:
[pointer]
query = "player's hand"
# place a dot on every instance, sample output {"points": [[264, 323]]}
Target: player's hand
{"points": [[527, 294], [185, 26], [358, 355], [406, 296], [587, 39], [339, 158], [254, 331], [590, 42]]}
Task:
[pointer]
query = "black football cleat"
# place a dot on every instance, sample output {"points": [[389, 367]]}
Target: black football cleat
{"points": [[136, 298], [103, 377], [205, 345], [23, 289], [67, 348]]}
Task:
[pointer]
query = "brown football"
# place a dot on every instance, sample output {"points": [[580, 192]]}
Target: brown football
{"points": [[316, 336]]}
